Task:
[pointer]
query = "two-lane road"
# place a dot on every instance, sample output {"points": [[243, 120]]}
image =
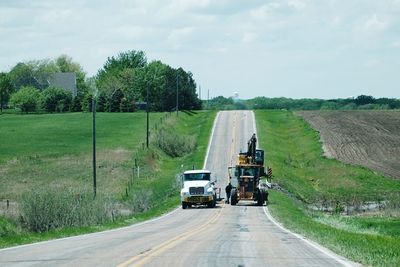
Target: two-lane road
{"points": [[225, 236]]}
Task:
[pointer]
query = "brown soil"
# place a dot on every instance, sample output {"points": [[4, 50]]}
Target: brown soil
{"points": [[367, 138]]}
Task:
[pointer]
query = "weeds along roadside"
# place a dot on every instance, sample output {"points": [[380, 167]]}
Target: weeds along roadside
{"points": [[178, 144], [152, 193], [311, 183]]}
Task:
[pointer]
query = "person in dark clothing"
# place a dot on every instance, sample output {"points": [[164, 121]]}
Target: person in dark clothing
{"points": [[228, 190]]}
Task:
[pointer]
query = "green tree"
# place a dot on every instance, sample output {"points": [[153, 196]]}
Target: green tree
{"points": [[87, 102], [114, 104], [34, 73], [126, 60], [364, 100], [27, 99], [65, 63], [56, 99], [102, 102], [22, 75], [6, 88], [118, 79], [152, 78], [188, 98]]}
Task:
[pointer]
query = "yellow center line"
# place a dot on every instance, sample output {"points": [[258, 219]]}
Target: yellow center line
{"points": [[141, 259]]}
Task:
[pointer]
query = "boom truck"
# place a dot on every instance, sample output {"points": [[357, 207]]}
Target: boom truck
{"points": [[245, 176]]}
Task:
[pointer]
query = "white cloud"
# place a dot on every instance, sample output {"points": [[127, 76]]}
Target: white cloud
{"points": [[396, 44], [248, 37], [335, 21], [374, 24], [185, 5], [266, 11], [297, 4], [131, 31], [372, 63], [178, 36], [283, 38]]}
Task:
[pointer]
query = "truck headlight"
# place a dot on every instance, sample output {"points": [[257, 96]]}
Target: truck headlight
{"points": [[210, 191]]}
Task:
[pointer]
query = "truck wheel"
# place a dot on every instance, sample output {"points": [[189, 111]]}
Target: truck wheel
{"points": [[184, 205], [234, 199], [261, 197]]}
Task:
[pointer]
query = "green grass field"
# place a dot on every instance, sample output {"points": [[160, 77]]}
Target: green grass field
{"points": [[58, 156], [55, 150], [50, 135], [294, 151]]}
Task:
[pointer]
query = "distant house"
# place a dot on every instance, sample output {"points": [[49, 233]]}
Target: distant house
{"points": [[65, 80]]}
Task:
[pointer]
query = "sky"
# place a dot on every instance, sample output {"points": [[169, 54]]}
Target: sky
{"points": [[278, 48]]}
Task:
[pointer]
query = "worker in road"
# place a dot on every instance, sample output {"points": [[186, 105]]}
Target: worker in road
{"points": [[228, 190]]}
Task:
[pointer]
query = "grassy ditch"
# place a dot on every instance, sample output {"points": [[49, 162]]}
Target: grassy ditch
{"points": [[294, 151], [65, 177], [372, 241]]}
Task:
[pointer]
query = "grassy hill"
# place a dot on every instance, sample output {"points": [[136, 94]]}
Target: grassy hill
{"points": [[310, 180], [51, 155], [55, 150]]}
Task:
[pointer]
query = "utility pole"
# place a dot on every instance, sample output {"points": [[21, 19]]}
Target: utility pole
{"points": [[177, 95], [94, 142], [147, 111], [200, 92]]}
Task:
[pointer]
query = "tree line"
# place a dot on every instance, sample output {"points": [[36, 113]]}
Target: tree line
{"points": [[359, 102], [124, 83]]}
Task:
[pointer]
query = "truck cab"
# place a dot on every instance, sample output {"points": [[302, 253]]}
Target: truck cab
{"points": [[198, 189]]}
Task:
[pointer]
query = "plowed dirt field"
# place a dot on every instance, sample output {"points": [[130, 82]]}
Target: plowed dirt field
{"points": [[367, 138]]}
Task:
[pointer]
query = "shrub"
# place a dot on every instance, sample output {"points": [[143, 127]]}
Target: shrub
{"points": [[173, 144], [56, 99], [44, 210], [27, 99], [140, 201]]}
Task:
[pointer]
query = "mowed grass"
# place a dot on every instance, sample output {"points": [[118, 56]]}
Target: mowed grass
{"points": [[294, 151], [71, 133], [55, 150]]}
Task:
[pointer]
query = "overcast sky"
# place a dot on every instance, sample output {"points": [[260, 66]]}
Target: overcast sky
{"points": [[291, 48]]}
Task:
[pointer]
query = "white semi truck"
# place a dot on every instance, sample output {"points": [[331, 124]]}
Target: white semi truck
{"points": [[198, 189]]}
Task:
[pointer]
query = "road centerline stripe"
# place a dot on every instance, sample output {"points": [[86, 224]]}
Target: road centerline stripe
{"points": [[143, 257]]}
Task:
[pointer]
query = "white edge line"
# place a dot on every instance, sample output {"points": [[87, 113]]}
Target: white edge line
{"points": [[315, 245], [210, 140], [324, 250], [122, 228], [91, 234]]}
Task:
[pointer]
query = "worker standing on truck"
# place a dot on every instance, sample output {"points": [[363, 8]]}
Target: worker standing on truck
{"points": [[228, 190]]}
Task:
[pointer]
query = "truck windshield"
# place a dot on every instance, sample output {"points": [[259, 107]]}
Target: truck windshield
{"points": [[197, 177], [246, 172]]}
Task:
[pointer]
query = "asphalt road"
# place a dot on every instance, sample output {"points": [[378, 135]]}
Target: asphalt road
{"points": [[240, 235]]}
